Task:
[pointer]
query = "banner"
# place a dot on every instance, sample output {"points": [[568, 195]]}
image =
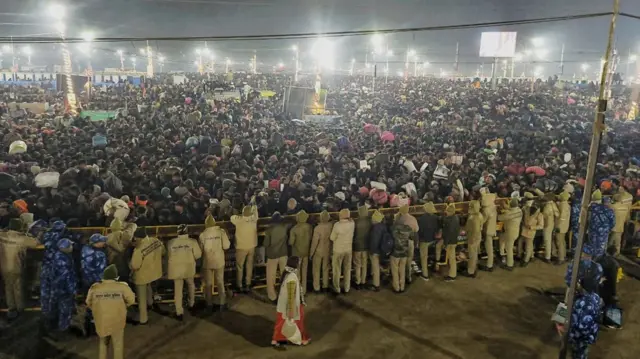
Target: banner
{"points": [[99, 115]]}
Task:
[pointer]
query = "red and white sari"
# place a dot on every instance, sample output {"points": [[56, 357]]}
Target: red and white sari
{"points": [[290, 308]]}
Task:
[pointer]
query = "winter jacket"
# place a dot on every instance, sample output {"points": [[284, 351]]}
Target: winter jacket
{"points": [[363, 227], [342, 236], [402, 234], [108, 301], [118, 243], [531, 222], [474, 224], [213, 242], [246, 230], [429, 226], [146, 261], [621, 211], [275, 240], [376, 235], [13, 250], [300, 236], [450, 229], [511, 219], [183, 252], [564, 214], [408, 220], [550, 211]]}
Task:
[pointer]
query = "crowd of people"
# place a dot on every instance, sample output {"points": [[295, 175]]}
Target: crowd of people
{"points": [[174, 155]]}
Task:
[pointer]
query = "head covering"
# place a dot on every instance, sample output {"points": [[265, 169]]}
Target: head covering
{"points": [[596, 196], [564, 196], [404, 209], [182, 229], [97, 238], [110, 273], [209, 222], [513, 203], [363, 212], [65, 245], [324, 217], [344, 214], [21, 205], [276, 217], [116, 225], [292, 262], [36, 227], [430, 208], [450, 210], [247, 211], [340, 195], [377, 217], [141, 232], [165, 192], [15, 224], [302, 216], [529, 195], [58, 226]]}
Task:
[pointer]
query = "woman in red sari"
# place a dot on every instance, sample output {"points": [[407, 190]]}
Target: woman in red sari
{"points": [[290, 313]]}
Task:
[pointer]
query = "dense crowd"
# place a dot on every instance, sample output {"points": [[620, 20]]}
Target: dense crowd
{"points": [[173, 154]]}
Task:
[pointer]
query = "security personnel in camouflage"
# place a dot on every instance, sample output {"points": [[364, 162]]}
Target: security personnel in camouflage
{"points": [[13, 249], [300, 242], [47, 276], [64, 284], [93, 260], [403, 217], [361, 237]]}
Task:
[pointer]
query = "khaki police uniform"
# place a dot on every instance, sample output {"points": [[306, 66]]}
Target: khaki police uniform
{"points": [[213, 242], [146, 265], [13, 250], [182, 254]]}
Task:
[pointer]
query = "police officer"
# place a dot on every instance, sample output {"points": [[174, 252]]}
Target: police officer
{"points": [[246, 241], [320, 251], [50, 241], [300, 242], [450, 233], [403, 217], [342, 238], [13, 248], [146, 267], [93, 260], [562, 225], [601, 221], [360, 242], [108, 300], [182, 254], [621, 211], [550, 211], [490, 213], [64, 284], [511, 218], [213, 242], [378, 234], [473, 227]]}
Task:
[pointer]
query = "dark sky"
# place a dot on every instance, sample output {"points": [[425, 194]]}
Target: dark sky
{"points": [[584, 39]]}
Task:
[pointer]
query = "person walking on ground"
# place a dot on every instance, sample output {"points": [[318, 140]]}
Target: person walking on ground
{"points": [[13, 250], [320, 252], [300, 242], [146, 268], [490, 214], [108, 300], [289, 325], [183, 252], [275, 245], [342, 238], [562, 226], [429, 224], [213, 241], [450, 233], [403, 217], [378, 235], [245, 246], [360, 242], [473, 228], [511, 218]]}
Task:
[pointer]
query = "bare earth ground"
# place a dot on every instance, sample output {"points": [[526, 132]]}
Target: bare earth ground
{"points": [[498, 315]]}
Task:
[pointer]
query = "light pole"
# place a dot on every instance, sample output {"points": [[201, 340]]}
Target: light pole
{"points": [[386, 75], [133, 61], [161, 62], [353, 64], [58, 11], [415, 66], [199, 62], [226, 65], [297, 60], [28, 51], [121, 55], [406, 62]]}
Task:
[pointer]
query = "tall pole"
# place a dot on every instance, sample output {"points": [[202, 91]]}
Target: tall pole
{"points": [[415, 66], [457, 56], [598, 128], [121, 60], [626, 73], [366, 65], [297, 64], [562, 61], [386, 69], [149, 61], [513, 66], [254, 62], [494, 69]]}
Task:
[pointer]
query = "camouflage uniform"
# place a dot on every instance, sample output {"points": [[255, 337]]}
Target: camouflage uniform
{"points": [[50, 241], [93, 261], [64, 284]]}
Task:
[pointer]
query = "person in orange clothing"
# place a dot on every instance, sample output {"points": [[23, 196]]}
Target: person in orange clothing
{"points": [[289, 327]]}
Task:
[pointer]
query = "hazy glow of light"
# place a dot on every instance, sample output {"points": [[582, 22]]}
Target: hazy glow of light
{"points": [[323, 52]]}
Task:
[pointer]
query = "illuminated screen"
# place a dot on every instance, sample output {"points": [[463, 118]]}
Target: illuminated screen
{"points": [[498, 44]]}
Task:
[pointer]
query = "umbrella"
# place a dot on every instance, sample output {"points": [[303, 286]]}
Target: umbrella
{"points": [[537, 170], [387, 136]]}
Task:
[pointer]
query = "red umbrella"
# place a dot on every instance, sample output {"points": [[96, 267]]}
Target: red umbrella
{"points": [[537, 170], [387, 136]]}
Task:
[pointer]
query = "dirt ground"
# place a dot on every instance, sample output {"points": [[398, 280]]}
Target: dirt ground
{"points": [[498, 315]]}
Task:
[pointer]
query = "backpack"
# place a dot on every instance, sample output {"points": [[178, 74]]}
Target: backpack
{"points": [[386, 243]]}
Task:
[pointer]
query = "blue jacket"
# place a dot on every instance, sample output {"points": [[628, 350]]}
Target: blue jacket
{"points": [[93, 262], [65, 281], [602, 219], [584, 319]]}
